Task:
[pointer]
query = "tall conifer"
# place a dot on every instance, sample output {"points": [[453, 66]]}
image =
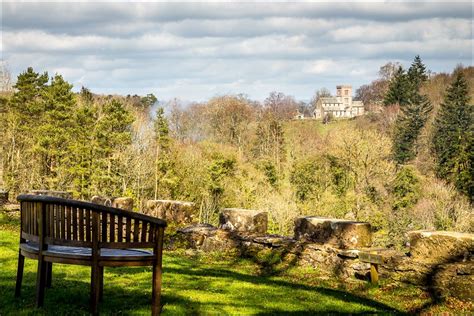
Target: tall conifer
{"points": [[453, 137]]}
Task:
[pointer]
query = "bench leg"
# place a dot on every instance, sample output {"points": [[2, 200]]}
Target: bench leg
{"points": [[40, 282], [95, 289], [156, 292], [101, 286], [19, 274], [49, 274]]}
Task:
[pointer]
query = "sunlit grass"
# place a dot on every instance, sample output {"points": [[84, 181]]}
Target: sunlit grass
{"points": [[206, 285]]}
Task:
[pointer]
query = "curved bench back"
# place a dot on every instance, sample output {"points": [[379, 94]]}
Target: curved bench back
{"points": [[52, 220]]}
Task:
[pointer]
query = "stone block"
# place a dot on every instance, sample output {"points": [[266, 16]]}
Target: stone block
{"points": [[124, 203], [102, 200], [343, 234], [244, 221], [59, 194], [439, 247], [177, 212], [193, 236]]}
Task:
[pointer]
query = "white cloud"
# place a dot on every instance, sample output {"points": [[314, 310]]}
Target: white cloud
{"points": [[197, 50]]}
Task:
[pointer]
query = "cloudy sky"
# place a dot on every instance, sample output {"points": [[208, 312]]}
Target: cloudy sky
{"points": [[194, 51]]}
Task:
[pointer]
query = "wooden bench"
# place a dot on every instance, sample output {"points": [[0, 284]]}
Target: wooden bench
{"points": [[56, 230]]}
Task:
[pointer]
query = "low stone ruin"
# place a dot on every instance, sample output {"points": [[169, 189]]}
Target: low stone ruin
{"points": [[244, 221], [343, 234], [59, 194], [125, 203], [443, 262], [175, 212]]}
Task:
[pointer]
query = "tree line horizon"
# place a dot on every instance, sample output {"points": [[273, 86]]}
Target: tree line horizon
{"points": [[407, 164]]}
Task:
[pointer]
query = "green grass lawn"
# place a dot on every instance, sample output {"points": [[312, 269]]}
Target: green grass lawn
{"points": [[201, 285]]}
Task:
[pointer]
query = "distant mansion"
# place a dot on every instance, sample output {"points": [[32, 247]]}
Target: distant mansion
{"points": [[340, 106]]}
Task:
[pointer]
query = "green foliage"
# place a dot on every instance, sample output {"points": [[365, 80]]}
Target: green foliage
{"points": [[416, 74], [55, 132], [405, 188], [304, 178], [453, 137], [270, 140], [270, 172], [148, 100], [408, 126], [398, 89], [207, 284], [220, 168], [166, 180], [415, 109]]}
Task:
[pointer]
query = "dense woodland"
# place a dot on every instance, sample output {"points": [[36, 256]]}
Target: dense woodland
{"points": [[408, 164]]}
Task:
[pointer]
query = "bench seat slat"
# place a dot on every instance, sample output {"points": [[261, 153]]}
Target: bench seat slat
{"points": [[86, 252]]}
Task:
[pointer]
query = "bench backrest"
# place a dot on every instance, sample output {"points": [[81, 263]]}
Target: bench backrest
{"points": [[52, 220]]}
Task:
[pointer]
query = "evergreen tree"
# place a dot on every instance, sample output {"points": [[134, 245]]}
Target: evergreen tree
{"points": [[453, 137], [398, 90], [82, 148], [165, 178], [112, 134], [417, 73], [415, 109], [55, 132], [22, 120], [408, 126]]}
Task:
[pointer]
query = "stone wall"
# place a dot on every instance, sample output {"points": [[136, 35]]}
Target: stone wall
{"points": [[442, 262], [174, 212], [59, 194], [125, 203]]}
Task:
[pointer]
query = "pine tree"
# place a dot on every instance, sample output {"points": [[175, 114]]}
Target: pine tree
{"points": [[414, 107], [55, 132], [165, 178], [453, 137], [398, 90], [417, 73], [22, 120], [82, 149], [408, 126], [112, 134]]}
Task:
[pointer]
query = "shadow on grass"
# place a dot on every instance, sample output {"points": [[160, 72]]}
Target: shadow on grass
{"points": [[72, 296]]}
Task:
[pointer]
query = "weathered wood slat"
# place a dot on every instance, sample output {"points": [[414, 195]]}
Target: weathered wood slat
{"points": [[136, 230], [120, 228], [29, 237], [88, 225], [81, 224], [103, 234], [151, 232], [143, 232], [91, 206], [128, 229], [75, 224], [68, 223], [66, 242], [57, 216], [123, 245], [62, 212], [49, 221], [112, 228]]}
